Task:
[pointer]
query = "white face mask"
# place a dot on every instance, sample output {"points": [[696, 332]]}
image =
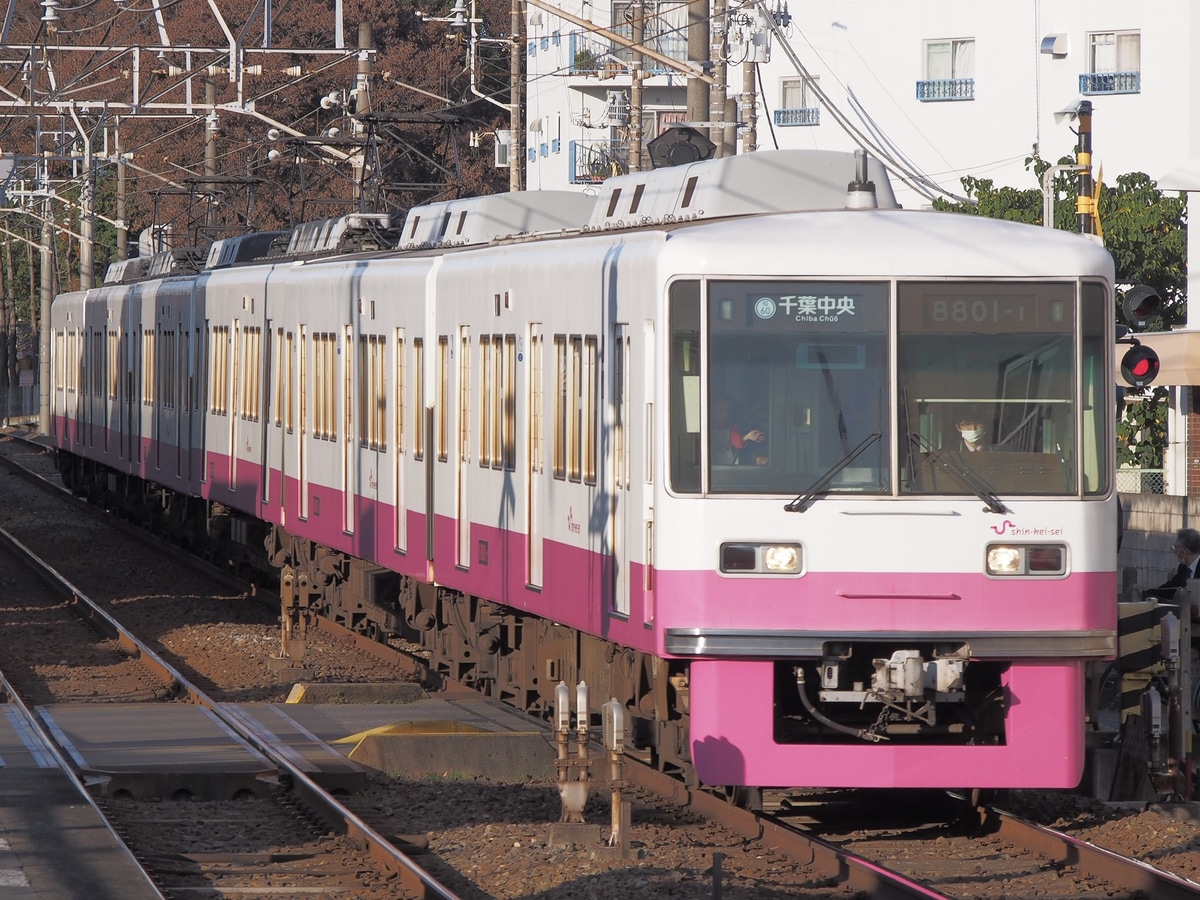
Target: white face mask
{"points": [[973, 435]]}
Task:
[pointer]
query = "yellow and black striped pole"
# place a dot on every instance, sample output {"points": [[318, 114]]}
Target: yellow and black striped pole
{"points": [[1085, 202]]}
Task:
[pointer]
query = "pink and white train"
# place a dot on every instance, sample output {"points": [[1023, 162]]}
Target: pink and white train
{"points": [[520, 430]]}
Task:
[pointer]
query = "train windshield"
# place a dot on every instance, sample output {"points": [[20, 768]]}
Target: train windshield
{"points": [[989, 394], [797, 381], [986, 388]]}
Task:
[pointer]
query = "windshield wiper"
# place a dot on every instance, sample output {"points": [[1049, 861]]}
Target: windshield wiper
{"points": [[967, 476], [799, 504]]}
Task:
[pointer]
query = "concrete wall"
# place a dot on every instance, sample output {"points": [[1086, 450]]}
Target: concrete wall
{"points": [[1150, 522]]}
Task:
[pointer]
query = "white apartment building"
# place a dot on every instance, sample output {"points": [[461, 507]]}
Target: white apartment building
{"points": [[936, 89], [943, 88]]}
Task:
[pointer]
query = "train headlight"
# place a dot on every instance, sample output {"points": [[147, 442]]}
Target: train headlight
{"points": [[784, 558], [770, 559], [1026, 559]]}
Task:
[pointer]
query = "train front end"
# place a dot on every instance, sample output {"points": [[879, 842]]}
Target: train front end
{"points": [[887, 534]]}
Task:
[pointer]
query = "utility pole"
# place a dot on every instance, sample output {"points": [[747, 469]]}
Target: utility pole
{"points": [[87, 218], [210, 151], [362, 105], [697, 54], [47, 295], [122, 223], [635, 88], [749, 107], [720, 70], [516, 101]]}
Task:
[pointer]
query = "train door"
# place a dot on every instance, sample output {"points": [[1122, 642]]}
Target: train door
{"points": [[235, 397], [619, 468], [349, 482], [288, 414], [398, 481], [183, 415], [272, 380], [535, 437], [302, 437], [646, 484], [464, 449]]}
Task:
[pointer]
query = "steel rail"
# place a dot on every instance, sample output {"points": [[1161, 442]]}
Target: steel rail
{"points": [[1066, 850], [38, 729], [317, 800]]}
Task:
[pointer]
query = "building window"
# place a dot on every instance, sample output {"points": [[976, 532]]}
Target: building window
{"points": [[797, 103], [664, 30], [949, 70], [1115, 63]]}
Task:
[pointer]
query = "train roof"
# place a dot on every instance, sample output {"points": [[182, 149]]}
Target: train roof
{"points": [[481, 220], [765, 182], [887, 243]]}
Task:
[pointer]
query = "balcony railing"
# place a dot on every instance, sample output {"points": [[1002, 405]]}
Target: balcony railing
{"points": [[594, 161], [590, 56], [1110, 83], [946, 89], [808, 115]]}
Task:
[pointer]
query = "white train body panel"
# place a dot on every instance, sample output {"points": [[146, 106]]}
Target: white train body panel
{"points": [[549, 395]]}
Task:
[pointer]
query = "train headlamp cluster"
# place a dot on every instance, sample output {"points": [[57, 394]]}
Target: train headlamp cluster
{"points": [[1026, 559], [762, 559]]}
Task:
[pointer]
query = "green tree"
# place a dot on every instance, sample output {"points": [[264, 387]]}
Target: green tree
{"points": [[1146, 233]]}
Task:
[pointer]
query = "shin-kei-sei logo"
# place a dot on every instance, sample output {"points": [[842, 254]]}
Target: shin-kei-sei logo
{"points": [[572, 525], [1012, 529]]}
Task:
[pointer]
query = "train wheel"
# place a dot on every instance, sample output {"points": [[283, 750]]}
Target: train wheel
{"points": [[744, 797]]}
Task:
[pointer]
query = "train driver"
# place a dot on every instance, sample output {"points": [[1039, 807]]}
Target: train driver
{"points": [[970, 429], [730, 446]]}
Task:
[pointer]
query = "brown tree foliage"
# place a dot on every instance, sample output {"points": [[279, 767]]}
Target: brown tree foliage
{"points": [[207, 176]]}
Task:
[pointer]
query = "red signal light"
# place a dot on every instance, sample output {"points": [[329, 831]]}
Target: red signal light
{"points": [[1140, 366]]}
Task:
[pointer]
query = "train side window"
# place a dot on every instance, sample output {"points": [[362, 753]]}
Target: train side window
{"points": [[148, 368], [464, 394], [497, 405], [684, 379], [510, 402], [291, 388], [1096, 465], [280, 374], [372, 392], [219, 371], [560, 406], [575, 413], [59, 360], [443, 394], [485, 400], [114, 368], [418, 398], [167, 370], [591, 351]]}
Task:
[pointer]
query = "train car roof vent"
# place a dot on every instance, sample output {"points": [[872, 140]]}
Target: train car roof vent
{"points": [[769, 181], [344, 234], [184, 261], [242, 249], [481, 220], [124, 271]]}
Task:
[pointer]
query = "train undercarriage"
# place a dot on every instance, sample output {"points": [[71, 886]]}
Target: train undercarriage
{"points": [[499, 651], [928, 695]]}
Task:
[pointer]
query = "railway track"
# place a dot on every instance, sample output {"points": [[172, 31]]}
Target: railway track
{"points": [[307, 839], [750, 853]]}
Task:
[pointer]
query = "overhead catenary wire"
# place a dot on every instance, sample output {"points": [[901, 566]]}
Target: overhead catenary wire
{"points": [[915, 179]]}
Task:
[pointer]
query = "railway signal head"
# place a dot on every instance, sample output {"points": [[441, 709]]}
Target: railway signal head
{"points": [[1141, 306], [1139, 365]]}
